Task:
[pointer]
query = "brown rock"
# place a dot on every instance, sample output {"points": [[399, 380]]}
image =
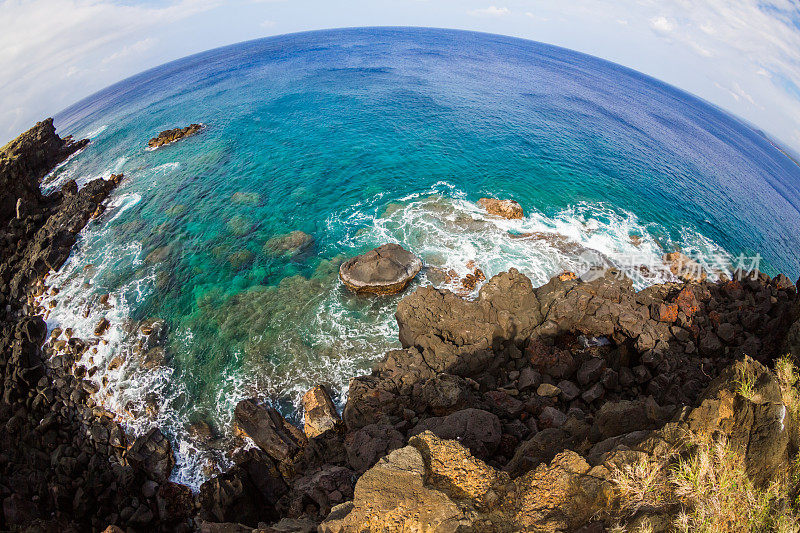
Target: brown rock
{"points": [[393, 496], [170, 136], [387, 269], [665, 312], [320, 413], [102, 326], [684, 267], [502, 208], [269, 430]]}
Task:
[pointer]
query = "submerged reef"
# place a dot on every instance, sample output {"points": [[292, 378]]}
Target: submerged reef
{"points": [[523, 409]]}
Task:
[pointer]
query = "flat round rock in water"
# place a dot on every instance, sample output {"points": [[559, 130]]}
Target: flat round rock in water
{"points": [[384, 270]]}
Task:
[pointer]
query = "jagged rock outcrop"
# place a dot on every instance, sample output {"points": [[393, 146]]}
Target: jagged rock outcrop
{"points": [[24, 162], [269, 430], [387, 269], [438, 485]]}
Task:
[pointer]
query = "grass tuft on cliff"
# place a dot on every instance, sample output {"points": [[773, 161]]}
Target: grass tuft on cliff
{"points": [[702, 486]]}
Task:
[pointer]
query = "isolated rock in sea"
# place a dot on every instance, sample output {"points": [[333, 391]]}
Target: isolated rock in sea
{"points": [[320, 413], [387, 269], [289, 244], [502, 208], [175, 134]]}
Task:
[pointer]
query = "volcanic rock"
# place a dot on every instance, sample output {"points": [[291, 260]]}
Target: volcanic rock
{"points": [[502, 208], [684, 267], [170, 136], [269, 430], [320, 413], [385, 270], [25, 161], [476, 429]]}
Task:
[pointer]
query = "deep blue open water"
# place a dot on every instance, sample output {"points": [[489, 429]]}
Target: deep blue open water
{"points": [[358, 137]]}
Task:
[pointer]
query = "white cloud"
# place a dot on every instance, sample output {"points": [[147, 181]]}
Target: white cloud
{"points": [[736, 91], [268, 24], [491, 11], [136, 48], [54, 52], [662, 24]]}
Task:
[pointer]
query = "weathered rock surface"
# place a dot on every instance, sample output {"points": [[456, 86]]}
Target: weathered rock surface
{"points": [[320, 413], [175, 134], [269, 430], [502, 208], [387, 269], [684, 267], [25, 161]]}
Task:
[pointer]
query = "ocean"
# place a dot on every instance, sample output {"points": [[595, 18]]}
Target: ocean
{"points": [[360, 137]]}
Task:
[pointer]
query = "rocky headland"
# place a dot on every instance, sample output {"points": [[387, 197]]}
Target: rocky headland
{"points": [[525, 409]]}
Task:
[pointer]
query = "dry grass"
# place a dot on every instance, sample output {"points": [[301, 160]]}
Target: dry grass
{"points": [[706, 488], [788, 378], [716, 495], [745, 382]]}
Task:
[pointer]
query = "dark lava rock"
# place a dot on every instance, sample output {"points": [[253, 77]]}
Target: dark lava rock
{"points": [[269, 430], [25, 161], [368, 444], [476, 429], [170, 136], [152, 453], [387, 269]]}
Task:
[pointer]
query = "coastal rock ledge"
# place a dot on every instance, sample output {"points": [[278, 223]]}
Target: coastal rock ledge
{"points": [[525, 409], [385, 270]]}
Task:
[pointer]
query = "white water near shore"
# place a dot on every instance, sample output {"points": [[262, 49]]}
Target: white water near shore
{"points": [[440, 225]]}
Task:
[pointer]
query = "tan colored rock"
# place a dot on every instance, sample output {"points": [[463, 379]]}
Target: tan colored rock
{"points": [[320, 413], [502, 208], [684, 267], [562, 495], [451, 467], [393, 496]]}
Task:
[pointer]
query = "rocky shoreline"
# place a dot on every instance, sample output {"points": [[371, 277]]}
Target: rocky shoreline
{"points": [[510, 412]]}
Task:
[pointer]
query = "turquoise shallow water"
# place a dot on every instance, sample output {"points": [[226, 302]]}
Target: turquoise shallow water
{"points": [[359, 137]]}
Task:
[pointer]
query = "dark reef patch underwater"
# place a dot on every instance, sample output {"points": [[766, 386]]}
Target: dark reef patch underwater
{"points": [[225, 246]]}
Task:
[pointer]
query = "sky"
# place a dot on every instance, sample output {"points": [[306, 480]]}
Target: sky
{"points": [[742, 55]]}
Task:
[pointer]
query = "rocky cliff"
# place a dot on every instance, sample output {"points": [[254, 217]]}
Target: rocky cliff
{"points": [[527, 409]]}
